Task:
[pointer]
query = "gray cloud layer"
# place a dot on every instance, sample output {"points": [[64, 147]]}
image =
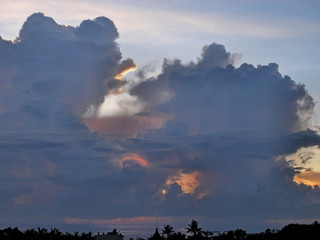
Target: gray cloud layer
{"points": [[229, 132]]}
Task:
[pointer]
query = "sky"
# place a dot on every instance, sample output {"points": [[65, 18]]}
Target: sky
{"points": [[119, 113]]}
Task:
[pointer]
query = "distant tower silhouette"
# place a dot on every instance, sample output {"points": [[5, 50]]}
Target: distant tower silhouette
{"points": [[156, 236], [157, 222]]}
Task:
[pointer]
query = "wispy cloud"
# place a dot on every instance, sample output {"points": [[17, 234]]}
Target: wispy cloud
{"points": [[160, 23]]}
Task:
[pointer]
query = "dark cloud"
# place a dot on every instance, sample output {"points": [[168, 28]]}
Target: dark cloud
{"points": [[234, 125], [210, 142], [212, 96], [58, 71]]}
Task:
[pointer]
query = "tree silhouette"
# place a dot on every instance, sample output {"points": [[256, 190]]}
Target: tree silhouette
{"points": [[42, 234], [55, 233], [11, 233], [207, 234], [30, 234], [177, 236], [230, 234], [167, 230], [194, 228], [115, 232], [240, 234]]}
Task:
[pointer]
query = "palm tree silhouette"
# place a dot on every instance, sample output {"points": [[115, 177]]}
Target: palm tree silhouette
{"points": [[167, 230], [194, 228], [55, 233]]}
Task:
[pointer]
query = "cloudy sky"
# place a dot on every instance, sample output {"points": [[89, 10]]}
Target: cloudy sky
{"points": [[114, 113]]}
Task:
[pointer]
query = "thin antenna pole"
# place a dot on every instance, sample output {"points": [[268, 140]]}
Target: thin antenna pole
{"points": [[157, 220]]}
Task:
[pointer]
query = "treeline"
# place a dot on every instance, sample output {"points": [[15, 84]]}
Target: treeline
{"points": [[42, 234], [291, 232], [194, 232]]}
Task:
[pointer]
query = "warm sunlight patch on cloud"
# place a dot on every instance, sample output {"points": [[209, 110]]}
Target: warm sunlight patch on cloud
{"points": [[125, 72], [308, 178], [118, 103], [187, 181], [306, 157], [133, 158], [123, 125], [307, 161]]}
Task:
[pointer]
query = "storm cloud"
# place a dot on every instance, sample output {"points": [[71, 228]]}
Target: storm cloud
{"points": [[206, 139]]}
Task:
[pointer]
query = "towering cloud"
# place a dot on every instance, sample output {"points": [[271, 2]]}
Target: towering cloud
{"points": [[234, 126], [206, 139], [211, 95], [54, 70]]}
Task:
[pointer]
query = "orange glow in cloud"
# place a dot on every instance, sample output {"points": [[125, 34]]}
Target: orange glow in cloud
{"points": [[187, 181], [133, 157], [117, 91], [309, 178], [306, 158], [125, 72], [123, 125]]}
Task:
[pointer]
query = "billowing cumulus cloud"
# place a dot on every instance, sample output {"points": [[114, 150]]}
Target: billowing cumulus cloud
{"points": [[54, 70], [234, 126], [82, 144], [211, 95]]}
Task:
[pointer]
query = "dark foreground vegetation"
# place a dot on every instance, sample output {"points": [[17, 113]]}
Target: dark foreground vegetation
{"points": [[194, 232], [42, 234]]}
